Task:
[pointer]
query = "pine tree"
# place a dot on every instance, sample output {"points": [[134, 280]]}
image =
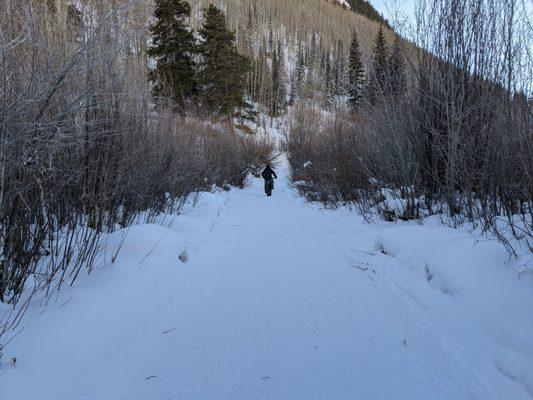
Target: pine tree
{"points": [[380, 67], [222, 72], [356, 74], [173, 47], [396, 74]]}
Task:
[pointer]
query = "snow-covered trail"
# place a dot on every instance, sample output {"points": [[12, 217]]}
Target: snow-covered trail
{"points": [[270, 305]]}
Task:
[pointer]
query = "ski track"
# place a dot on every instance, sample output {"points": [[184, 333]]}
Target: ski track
{"points": [[266, 308]]}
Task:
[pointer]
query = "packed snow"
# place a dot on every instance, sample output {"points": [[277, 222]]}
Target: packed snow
{"points": [[248, 297]]}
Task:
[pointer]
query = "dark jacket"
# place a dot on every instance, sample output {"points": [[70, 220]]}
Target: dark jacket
{"points": [[268, 173]]}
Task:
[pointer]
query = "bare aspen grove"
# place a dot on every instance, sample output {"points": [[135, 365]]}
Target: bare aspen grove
{"points": [[443, 124]]}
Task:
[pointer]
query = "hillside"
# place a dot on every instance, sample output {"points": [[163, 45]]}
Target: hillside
{"points": [[364, 7], [295, 21], [313, 33]]}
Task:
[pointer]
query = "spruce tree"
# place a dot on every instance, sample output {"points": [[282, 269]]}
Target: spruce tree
{"points": [[380, 67], [396, 74], [356, 74], [173, 47], [222, 72]]}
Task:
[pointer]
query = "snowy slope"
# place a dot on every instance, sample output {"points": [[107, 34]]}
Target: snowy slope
{"points": [[344, 3], [279, 299]]}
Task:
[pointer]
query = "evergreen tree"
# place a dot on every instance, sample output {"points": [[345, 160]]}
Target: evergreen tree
{"points": [[278, 99], [396, 74], [282, 81], [329, 94], [356, 74], [271, 48], [300, 64], [249, 33], [173, 47], [313, 50], [275, 83], [380, 67], [251, 22], [339, 70], [298, 75], [222, 72], [292, 91]]}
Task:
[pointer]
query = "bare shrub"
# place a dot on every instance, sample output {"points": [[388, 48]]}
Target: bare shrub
{"points": [[325, 157]]}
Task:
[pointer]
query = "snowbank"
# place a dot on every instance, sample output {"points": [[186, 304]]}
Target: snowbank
{"points": [[481, 279]]}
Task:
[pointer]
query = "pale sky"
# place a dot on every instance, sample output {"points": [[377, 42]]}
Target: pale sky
{"points": [[406, 8], [394, 8]]}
